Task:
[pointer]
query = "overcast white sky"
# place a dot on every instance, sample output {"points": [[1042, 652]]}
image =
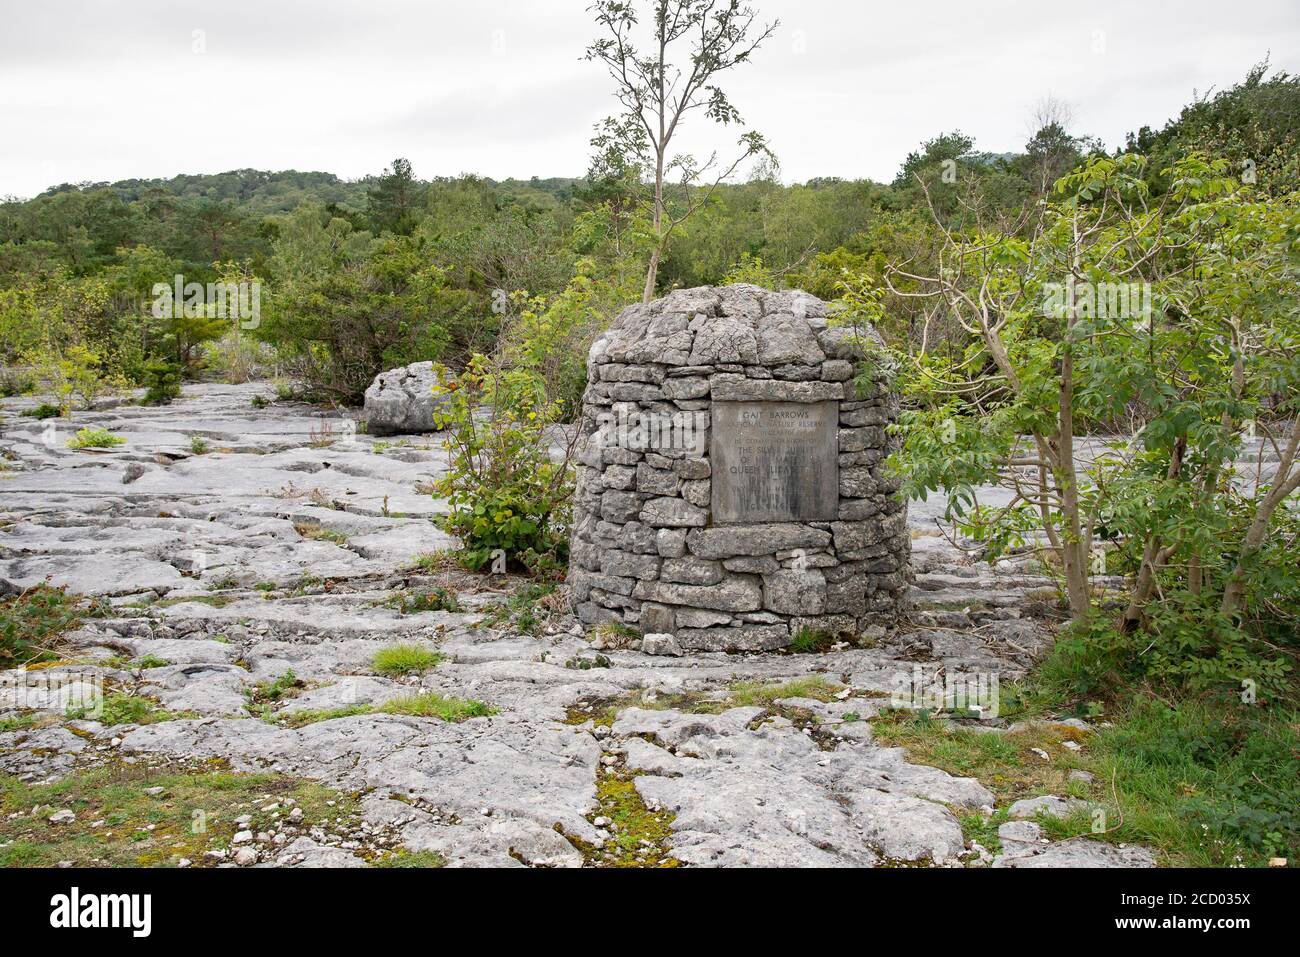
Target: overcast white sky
{"points": [[94, 91]]}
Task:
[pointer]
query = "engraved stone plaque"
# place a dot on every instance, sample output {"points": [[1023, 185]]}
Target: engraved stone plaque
{"points": [[775, 461]]}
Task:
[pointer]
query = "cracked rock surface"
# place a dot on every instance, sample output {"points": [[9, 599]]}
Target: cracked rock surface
{"points": [[279, 549]]}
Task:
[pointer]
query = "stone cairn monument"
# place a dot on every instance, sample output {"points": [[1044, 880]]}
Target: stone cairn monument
{"points": [[730, 489]]}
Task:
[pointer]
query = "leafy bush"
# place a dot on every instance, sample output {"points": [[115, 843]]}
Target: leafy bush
{"points": [[503, 489], [374, 308], [43, 411], [93, 438], [76, 375], [16, 382]]}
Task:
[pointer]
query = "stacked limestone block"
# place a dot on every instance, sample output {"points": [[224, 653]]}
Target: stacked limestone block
{"points": [[645, 551]]}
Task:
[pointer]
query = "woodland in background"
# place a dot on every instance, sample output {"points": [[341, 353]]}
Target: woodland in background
{"points": [[362, 276]]}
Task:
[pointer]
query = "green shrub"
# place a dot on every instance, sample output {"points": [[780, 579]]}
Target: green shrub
{"points": [[94, 438], [43, 411], [163, 380], [199, 445], [1187, 644], [503, 490], [16, 382]]}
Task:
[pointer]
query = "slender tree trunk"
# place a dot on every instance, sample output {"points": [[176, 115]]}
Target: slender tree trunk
{"points": [[1074, 560], [1074, 557], [652, 271]]}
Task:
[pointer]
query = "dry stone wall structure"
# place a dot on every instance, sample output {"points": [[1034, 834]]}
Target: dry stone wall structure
{"points": [[731, 488]]}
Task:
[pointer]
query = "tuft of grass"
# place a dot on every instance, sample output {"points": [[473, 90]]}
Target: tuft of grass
{"points": [[430, 562], [522, 610], [615, 634], [95, 438], [199, 445], [404, 858], [433, 599], [425, 705], [141, 663], [299, 719], [404, 660], [265, 695], [319, 533], [122, 708], [18, 722], [810, 640], [430, 705], [749, 693]]}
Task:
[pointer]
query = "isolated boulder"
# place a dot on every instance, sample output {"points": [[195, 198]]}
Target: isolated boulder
{"points": [[401, 401]]}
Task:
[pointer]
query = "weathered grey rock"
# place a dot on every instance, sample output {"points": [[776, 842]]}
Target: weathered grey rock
{"points": [[661, 644], [1078, 852], [734, 593], [1049, 804], [401, 401], [748, 786]]}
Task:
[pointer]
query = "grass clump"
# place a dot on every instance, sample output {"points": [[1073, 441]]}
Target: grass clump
{"points": [[31, 624], [430, 705], [199, 445], [523, 608], [300, 719], [750, 693], [404, 858], [144, 662], [265, 696], [319, 533], [810, 641], [121, 708], [430, 562], [432, 599], [425, 705], [95, 438], [404, 660], [615, 634]]}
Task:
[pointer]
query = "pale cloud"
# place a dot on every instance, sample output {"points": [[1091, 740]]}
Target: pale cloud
{"points": [[94, 91]]}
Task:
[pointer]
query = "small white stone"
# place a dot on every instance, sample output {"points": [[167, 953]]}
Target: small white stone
{"points": [[242, 837]]}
